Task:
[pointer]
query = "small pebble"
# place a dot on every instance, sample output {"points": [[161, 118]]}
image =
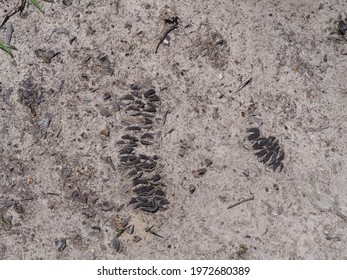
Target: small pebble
{"points": [[137, 238], [202, 171], [190, 137], [44, 123], [60, 244], [46, 56], [105, 131], [105, 112], [106, 206], [191, 188], [181, 152], [134, 87], [18, 207], [96, 228], [208, 162], [215, 114], [87, 213], [66, 171], [67, 2], [128, 25], [106, 96], [61, 30]]}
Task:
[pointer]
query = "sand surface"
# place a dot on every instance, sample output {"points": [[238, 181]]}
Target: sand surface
{"points": [[61, 118]]}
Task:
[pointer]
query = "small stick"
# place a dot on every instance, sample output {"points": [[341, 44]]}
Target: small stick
{"points": [[117, 7], [18, 8], [110, 162], [171, 25], [248, 81], [341, 215], [240, 202], [52, 193], [152, 232]]}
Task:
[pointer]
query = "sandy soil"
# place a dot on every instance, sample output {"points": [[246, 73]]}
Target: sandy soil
{"points": [[60, 196]]}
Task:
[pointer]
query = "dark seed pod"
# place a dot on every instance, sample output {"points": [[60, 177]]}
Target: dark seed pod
{"points": [[134, 113], [150, 110], [156, 178], [124, 159], [143, 189], [261, 153], [146, 142], [159, 193], [126, 221], [138, 175], [152, 104], [148, 93], [126, 150], [253, 130], [270, 141], [132, 144], [132, 157], [153, 98], [163, 201], [274, 145], [147, 126], [148, 121], [253, 136], [129, 137], [128, 97], [149, 166], [134, 128], [273, 157], [152, 209], [139, 104], [132, 108], [133, 200], [135, 93], [130, 229], [280, 155], [260, 143], [267, 157], [144, 157], [146, 204], [142, 200], [140, 181], [147, 135], [115, 243], [132, 172], [276, 165]]}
